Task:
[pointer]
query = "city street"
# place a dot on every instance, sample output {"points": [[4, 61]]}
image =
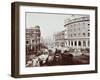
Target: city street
{"points": [[56, 59], [68, 44]]}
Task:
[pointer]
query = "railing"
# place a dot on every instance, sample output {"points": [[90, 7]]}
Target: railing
{"points": [[76, 20]]}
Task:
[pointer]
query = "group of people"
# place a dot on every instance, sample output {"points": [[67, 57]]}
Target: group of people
{"points": [[49, 58]]}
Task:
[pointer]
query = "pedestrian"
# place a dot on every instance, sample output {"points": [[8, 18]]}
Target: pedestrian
{"points": [[35, 62], [57, 58]]}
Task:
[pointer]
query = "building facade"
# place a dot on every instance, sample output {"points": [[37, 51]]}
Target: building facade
{"points": [[33, 35], [77, 33], [59, 39]]}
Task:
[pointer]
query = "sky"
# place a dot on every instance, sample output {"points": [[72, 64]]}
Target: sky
{"points": [[49, 23]]}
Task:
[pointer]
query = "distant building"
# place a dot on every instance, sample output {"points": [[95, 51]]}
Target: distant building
{"points": [[77, 33], [33, 35], [59, 39]]}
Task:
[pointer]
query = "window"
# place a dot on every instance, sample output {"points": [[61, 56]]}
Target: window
{"points": [[88, 29], [71, 43], [26, 42], [88, 34], [88, 24], [32, 41], [84, 43], [79, 43], [83, 34], [75, 43], [63, 34]]}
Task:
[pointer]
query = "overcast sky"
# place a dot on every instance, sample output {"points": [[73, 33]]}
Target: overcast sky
{"points": [[49, 23]]}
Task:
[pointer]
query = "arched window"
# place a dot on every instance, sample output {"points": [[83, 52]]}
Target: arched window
{"points": [[84, 43], [75, 43], [71, 43], [79, 43]]}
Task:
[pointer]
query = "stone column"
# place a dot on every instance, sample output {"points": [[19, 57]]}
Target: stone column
{"points": [[81, 43], [77, 43], [70, 44], [73, 44], [86, 43]]}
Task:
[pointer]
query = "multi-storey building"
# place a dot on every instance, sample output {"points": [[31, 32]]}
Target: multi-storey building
{"points": [[77, 33], [59, 39], [33, 35]]}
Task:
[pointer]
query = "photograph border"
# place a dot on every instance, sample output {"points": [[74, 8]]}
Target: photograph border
{"points": [[15, 33]]}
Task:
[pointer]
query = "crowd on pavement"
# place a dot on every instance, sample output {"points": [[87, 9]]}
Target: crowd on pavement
{"points": [[50, 58]]}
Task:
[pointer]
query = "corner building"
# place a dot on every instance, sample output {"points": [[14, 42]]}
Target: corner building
{"points": [[33, 35], [77, 32]]}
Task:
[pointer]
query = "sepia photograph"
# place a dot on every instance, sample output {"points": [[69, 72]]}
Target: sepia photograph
{"points": [[57, 39], [53, 39]]}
